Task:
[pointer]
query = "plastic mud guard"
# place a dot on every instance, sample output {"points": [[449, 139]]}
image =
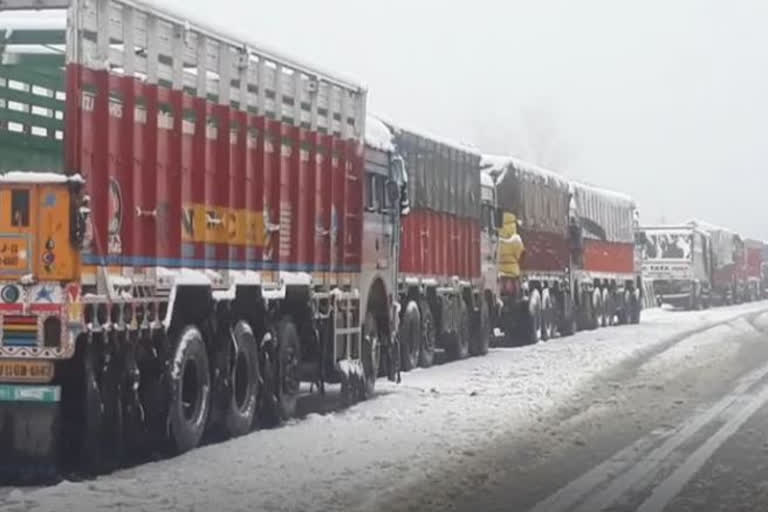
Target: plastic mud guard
{"points": [[29, 422]]}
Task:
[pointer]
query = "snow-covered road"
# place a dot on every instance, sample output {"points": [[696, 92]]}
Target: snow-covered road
{"points": [[359, 458]]}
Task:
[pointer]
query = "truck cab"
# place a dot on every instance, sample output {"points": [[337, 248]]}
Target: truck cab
{"points": [[677, 260], [489, 249]]}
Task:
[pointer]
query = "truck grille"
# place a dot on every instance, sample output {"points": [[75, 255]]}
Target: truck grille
{"points": [[20, 331]]}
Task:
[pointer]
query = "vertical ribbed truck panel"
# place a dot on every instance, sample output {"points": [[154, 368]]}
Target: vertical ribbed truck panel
{"points": [[200, 149], [441, 234], [729, 259], [538, 199], [607, 221], [754, 257]]}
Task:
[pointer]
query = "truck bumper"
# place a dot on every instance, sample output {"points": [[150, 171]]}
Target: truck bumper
{"points": [[29, 419], [676, 299]]}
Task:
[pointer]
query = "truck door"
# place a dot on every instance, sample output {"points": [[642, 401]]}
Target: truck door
{"points": [[34, 232], [18, 242]]}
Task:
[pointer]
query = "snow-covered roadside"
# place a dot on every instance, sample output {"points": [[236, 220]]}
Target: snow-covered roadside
{"points": [[347, 460]]}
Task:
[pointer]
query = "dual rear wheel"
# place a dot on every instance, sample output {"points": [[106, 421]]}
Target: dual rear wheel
{"points": [[190, 397]]}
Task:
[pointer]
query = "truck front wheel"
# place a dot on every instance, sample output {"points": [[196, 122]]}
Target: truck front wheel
{"points": [[190, 383], [410, 336]]}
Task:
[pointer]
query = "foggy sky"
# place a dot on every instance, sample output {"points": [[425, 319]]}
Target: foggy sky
{"points": [[665, 100]]}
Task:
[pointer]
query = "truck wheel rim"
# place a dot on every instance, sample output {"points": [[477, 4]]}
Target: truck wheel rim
{"points": [[290, 372]]}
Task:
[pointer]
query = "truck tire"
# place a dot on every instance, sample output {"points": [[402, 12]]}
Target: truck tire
{"points": [[547, 316], [286, 384], [622, 317], [532, 333], [190, 384], [371, 355], [241, 408], [91, 432], [598, 313], [636, 307], [481, 340], [458, 347], [427, 348], [568, 318], [609, 309], [410, 336]]}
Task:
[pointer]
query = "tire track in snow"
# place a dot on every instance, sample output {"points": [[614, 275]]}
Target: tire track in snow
{"points": [[629, 469]]}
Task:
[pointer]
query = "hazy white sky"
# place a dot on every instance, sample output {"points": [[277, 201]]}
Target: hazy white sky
{"points": [[666, 100]]}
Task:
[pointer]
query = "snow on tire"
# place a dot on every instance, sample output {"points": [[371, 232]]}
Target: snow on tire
{"points": [[608, 309], [547, 313], [427, 349], [410, 336], [533, 334], [240, 411], [371, 353], [597, 308]]}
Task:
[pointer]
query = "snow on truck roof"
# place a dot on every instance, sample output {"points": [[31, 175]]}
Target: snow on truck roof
{"points": [[708, 226], [499, 164], [55, 19], [45, 20], [39, 177], [189, 15], [398, 127], [485, 179], [617, 197], [377, 134]]}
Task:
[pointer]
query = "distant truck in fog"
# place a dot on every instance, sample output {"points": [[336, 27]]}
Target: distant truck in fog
{"points": [[677, 260], [696, 265]]}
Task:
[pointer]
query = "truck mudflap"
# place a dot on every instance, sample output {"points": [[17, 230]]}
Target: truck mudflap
{"points": [[29, 421]]}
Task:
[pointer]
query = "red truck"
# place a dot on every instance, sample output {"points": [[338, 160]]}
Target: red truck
{"points": [[216, 232], [754, 256], [578, 268], [730, 265], [445, 301]]}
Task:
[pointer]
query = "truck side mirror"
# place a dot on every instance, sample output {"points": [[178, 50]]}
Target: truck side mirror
{"points": [[399, 187], [393, 191]]}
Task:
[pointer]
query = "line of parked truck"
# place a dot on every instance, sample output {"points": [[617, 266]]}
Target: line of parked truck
{"points": [[696, 265], [192, 226]]}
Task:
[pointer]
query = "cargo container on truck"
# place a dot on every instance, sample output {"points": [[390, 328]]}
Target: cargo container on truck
{"points": [[606, 273], [764, 271], [534, 257], [197, 248], [677, 259], [729, 264], [577, 267], [440, 280], [754, 259]]}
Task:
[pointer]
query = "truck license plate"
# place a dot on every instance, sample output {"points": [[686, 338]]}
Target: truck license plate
{"points": [[25, 371]]}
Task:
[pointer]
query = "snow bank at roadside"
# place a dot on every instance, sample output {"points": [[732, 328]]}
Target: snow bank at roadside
{"points": [[352, 459]]}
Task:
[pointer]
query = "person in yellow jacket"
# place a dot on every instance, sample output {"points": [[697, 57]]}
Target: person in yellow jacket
{"points": [[511, 247]]}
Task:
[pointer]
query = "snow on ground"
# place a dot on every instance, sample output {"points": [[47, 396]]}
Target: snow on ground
{"points": [[704, 349], [352, 459]]}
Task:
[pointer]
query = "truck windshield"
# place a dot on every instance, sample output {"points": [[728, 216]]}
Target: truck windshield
{"points": [[666, 246]]}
